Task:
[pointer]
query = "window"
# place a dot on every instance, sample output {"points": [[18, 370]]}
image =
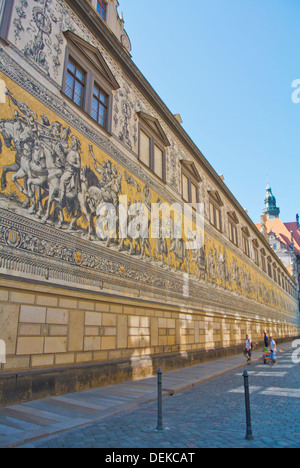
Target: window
{"points": [[6, 7], [269, 267], [233, 234], [88, 81], [245, 241], [194, 195], [152, 155], [99, 106], [232, 224], [256, 256], [189, 181], [274, 272], [189, 191], [158, 162], [246, 246], [279, 277], [75, 82], [2, 5], [215, 214], [255, 246], [101, 8], [144, 148], [263, 260], [152, 145]]}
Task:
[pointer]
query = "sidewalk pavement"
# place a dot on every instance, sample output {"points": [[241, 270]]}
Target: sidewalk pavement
{"points": [[27, 422]]}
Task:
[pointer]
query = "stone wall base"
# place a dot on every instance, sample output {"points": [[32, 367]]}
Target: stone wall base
{"points": [[22, 386]]}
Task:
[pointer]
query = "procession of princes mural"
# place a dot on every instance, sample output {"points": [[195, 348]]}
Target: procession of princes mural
{"points": [[53, 181], [54, 186]]}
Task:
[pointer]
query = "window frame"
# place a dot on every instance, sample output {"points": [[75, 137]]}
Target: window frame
{"points": [[103, 4], [100, 104], [95, 3], [215, 210], [215, 215], [233, 228], [191, 173], [274, 272], [246, 241], [76, 79], [191, 182], [6, 8], [233, 233], [153, 142], [269, 267], [255, 247], [263, 260]]}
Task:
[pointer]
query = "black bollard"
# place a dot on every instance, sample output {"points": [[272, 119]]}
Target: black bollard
{"points": [[249, 435], [159, 399]]}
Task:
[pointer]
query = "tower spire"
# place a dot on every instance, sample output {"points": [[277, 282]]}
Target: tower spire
{"points": [[271, 210]]}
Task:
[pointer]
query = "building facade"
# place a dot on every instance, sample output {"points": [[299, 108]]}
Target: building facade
{"points": [[85, 298], [283, 238]]}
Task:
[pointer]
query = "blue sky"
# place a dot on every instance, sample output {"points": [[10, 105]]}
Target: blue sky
{"points": [[227, 67]]}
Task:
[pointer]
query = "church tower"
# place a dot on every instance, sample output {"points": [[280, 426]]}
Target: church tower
{"points": [[271, 210]]}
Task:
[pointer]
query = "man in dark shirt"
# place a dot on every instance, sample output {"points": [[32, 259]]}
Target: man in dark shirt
{"points": [[266, 340]]}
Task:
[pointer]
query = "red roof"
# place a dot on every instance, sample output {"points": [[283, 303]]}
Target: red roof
{"points": [[283, 232]]}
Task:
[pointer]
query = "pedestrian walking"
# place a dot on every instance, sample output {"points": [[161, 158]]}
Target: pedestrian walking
{"points": [[248, 349], [266, 340], [266, 347], [273, 348]]}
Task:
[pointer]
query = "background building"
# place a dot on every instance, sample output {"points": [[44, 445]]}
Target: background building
{"points": [[80, 127], [284, 238]]}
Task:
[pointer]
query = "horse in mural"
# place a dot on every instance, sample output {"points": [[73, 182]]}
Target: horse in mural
{"points": [[13, 136], [46, 174], [90, 198], [19, 135], [57, 198]]}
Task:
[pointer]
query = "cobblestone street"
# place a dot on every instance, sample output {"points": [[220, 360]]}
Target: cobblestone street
{"points": [[210, 415]]}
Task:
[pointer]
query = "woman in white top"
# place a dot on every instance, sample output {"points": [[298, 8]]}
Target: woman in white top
{"points": [[273, 349]]}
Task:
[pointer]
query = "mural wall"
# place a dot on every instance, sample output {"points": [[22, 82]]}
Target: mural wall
{"points": [[54, 182]]}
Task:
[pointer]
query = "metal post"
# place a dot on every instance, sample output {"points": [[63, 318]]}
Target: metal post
{"points": [[159, 394], [249, 435]]}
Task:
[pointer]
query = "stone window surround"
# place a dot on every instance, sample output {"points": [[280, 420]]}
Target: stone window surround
{"points": [[92, 77], [245, 241], [216, 204], [189, 170], [255, 246], [155, 140], [233, 222]]}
